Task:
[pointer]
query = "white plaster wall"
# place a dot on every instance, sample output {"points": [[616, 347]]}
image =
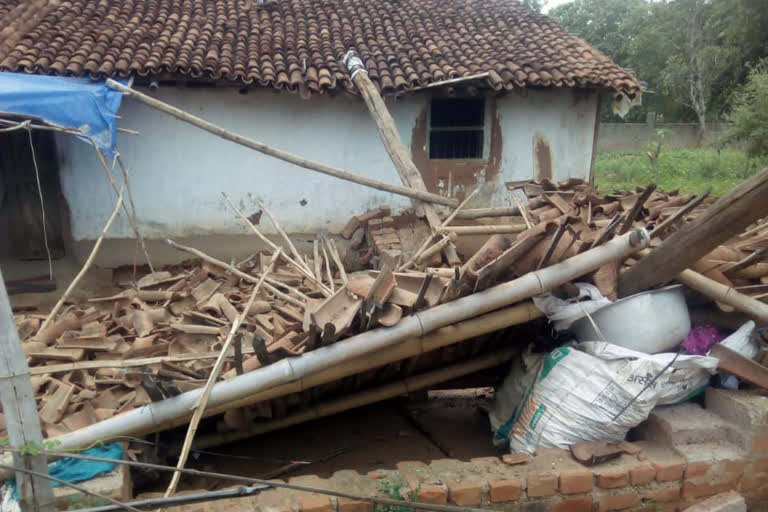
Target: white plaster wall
{"points": [[178, 172], [566, 118]]}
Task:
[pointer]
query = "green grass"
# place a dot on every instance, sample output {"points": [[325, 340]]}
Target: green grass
{"points": [[690, 170]]}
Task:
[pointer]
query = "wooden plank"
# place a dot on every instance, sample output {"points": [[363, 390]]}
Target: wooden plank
{"points": [[740, 366], [20, 411], [728, 216]]}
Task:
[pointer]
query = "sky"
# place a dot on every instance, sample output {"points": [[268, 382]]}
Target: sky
{"points": [[554, 3]]}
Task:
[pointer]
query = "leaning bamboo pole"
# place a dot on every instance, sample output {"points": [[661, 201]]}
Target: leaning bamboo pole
{"points": [[391, 390], [87, 263], [161, 414], [277, 153]]}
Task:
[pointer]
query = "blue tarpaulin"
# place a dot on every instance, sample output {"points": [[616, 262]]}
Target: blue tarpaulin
{"points": [[78, 103], [80, 470]]}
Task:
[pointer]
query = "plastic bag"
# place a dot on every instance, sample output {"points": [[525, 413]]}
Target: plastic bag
{"points": [[562, 313], [587, 392], [741, 341]]}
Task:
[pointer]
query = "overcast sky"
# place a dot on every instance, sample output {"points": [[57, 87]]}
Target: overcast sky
{"points": [[554, 3]]}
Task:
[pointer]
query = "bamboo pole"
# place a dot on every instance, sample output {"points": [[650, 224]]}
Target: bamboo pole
{"points": [[215, 372], [132, 218], [328, 267], [724, 294], [479, 213], [20, 410], [443, 337], [337, 259], [391, 390], [239, 273], [277, 153], [485, 230], [279, 229], [302, 268], [523, 212], [52, 315], [436, 248]]}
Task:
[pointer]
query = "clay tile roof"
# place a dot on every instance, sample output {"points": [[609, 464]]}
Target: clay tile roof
{"points": [[298, 44]]}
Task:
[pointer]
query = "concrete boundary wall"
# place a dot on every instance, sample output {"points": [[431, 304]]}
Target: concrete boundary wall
{"points": [[635, 136]]}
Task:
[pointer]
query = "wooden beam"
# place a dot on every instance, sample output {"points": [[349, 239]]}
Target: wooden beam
{"points": [[277, 153], [398, 153], [740, 366], [20, 411], [728, 216]]}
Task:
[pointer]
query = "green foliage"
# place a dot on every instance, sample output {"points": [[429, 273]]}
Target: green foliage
{"points": [[393, 490], [536, 5], [689, 170], [750, 113], [692, 54]]}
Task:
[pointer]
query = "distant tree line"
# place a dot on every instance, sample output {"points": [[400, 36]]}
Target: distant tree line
{"points": [[694, 56]]}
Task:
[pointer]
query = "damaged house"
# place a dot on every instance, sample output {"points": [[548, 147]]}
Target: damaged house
{"points": [[480, 91]]}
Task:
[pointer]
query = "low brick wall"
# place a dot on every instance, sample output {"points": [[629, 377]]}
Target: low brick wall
{"points": [[636, 136], [695, 453]]}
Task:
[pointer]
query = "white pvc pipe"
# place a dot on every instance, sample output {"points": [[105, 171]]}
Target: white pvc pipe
{"points": [[158, 415]]}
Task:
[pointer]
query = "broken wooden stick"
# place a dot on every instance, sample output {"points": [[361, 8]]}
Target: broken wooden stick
{"points": [[277, 153], [390, 137], [633, 213], [240, 273], [213, 377], [523, 211], [302, 268], [484, 230], [52, 315], [279, 229], [436, 248], [337, 259], [328, 268], [132, 217], [479, 213], [693, 203], [729, 215]]}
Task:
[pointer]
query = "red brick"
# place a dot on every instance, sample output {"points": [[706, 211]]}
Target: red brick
{"points": [[759, 443], [754, 482], [618, 501], [641, 474], [417, 475], [574, 504], [465, 493], [760, 465], [699, 487], [662, 494], [543, 484], [514, 459], [612, 479], [504, 490], [668, 471], [697, 469], [575, 482]]}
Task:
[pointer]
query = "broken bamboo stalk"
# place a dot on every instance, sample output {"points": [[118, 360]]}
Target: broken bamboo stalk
{"points": [[390, 390], [202, 402], [729, 215], [239, 273], [443, 224], [390, 137], [337, 259], [279, 229], [436, 248], [522, 209], [52, 315], [132, 217], [480, 213], [302, 268], [277, 153], [484, 230], [328, 268], [316, 261]]}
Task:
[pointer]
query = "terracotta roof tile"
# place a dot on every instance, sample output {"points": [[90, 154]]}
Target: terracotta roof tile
{"points": [[298, 44]]}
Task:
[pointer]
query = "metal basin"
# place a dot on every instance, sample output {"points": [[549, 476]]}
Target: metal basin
{"points": [[651, 322]]}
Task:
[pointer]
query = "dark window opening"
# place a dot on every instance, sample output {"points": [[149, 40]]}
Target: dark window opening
{"points": [[456, 128]]}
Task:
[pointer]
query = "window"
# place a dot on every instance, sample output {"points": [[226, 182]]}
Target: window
{"points": [[456, 128]]}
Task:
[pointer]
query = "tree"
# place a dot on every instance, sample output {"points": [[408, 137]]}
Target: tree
{"points": [[750, 114], [536, 5], [697, 61]]}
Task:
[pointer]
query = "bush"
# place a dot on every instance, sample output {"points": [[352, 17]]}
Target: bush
{"points": [[750, 113]]}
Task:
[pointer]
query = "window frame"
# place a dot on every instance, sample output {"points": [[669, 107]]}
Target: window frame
{"points": [[486, 127]]}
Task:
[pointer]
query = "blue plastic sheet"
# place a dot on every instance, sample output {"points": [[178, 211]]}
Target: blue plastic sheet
{"points": [[78, 103], [80, 470]]}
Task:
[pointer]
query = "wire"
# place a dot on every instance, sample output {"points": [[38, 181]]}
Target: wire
{"points": [[42, 204], [647, 385]]}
